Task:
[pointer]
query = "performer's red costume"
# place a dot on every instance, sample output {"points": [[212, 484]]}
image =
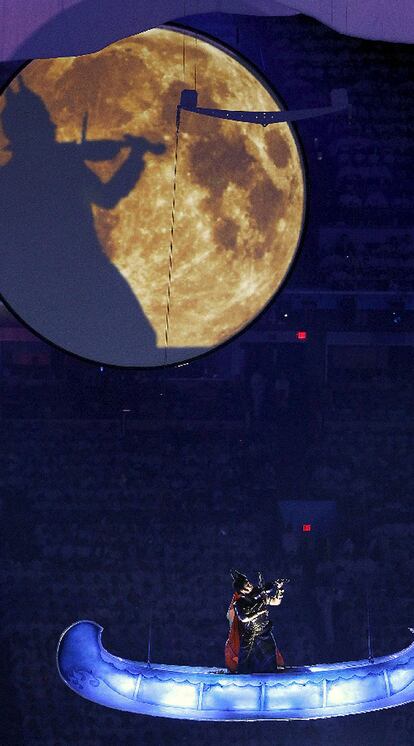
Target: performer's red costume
{"points": [[232, 646]]}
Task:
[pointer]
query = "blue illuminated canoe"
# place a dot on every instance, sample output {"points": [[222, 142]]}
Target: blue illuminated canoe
{"points": [[184, 692]]}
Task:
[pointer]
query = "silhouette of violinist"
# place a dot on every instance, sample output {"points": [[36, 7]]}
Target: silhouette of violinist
{"points": [[53, 271]]}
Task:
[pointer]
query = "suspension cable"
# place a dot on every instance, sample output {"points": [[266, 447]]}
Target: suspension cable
{"points": [[171, 249], [195, 63], [173, 206]]}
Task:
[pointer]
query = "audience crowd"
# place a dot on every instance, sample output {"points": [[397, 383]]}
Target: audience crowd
{"points": [[360, 163]]}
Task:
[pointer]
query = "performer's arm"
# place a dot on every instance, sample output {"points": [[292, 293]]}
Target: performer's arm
{"points": [[107, 195], [247, 614], [248, 617]]}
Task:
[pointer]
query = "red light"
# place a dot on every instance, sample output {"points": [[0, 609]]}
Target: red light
{"points": [[307, 527], [302, 336]]}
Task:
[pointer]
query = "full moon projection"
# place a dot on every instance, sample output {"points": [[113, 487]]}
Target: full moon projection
{"points": [[87, 161]]}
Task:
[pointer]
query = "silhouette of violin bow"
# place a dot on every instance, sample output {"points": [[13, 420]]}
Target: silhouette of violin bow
{"points": [[84, 127], [188, 102]]}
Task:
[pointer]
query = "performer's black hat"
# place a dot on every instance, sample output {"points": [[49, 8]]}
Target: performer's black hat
{"points": [[239, 580]]}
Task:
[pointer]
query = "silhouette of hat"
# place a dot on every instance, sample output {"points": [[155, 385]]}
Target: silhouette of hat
{"points": [[25, 114]]}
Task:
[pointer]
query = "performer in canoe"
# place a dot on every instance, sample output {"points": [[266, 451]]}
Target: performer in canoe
{"points": [[251, 646]]}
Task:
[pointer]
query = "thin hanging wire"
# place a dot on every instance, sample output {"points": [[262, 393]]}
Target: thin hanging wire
{"points": [[262, 58], [369, 631], [149, 637], [171, 249], [172, 225], [367, 591], [195, 63], [184, 40], [184, 58]]}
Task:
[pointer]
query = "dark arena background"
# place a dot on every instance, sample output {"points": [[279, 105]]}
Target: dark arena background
{"points": [[127, 495]]}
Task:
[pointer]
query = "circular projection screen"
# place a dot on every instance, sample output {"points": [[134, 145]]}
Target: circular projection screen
{"points": [[87, 158]]}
